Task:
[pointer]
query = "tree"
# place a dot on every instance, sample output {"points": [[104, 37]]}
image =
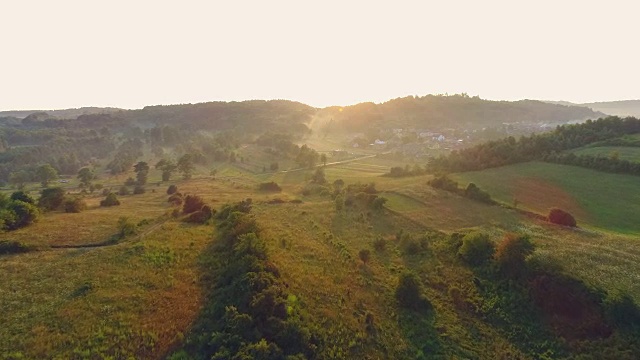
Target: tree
{"points": [[408, 292], [167, 167], [476, 248], [86, 175], [142, 172], [192, 203], [51, 198], [25, 214], [19, 178], [22, 196], [365, 255], [45, 174], [323, 159], [307, 157], [110, 200], [318, 176], [185, 166]]}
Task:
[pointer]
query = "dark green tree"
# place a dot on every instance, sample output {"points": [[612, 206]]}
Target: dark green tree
{"points": [[185, 166], [45, 174], [142, 172], [85, 175]]}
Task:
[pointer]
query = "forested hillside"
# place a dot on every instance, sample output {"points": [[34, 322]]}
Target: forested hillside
{"points": [[456, 111], [547, 146]]}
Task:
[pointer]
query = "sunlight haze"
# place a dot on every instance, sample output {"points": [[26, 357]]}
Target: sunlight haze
{"points": [[125, 54]]}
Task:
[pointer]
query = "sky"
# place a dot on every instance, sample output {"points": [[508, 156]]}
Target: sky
{"points": [[129, 54]]}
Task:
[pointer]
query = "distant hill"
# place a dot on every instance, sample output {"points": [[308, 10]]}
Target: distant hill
{"points": [[455, 111], [617, 108], [248, 116], [60, 114]]}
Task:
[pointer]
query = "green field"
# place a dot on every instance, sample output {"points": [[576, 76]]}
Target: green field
{"points": [[602, 200], [623, 152]]}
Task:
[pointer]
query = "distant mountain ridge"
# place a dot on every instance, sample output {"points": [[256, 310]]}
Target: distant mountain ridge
{"points": [[61, 114], [419, 112], [617, 108]]}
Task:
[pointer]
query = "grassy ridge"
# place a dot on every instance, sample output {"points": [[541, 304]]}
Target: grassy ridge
{"points": [[607, 201]]}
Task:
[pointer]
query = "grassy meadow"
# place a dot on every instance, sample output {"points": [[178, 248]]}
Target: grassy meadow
{"points": [[596, 199], [139, 297], [629, 153]]}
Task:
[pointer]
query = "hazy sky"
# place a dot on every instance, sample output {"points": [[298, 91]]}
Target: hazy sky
{"points": [[61, 54]]}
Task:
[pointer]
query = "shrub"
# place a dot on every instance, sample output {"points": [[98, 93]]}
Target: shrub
{"points": [[444, 183], [110, 200], [379, 244], [192, 203], [23, 196], [512, 252], [126, 227], [175, 199], [74, 205], [561, 217], [201, 216], [172, 189], [12, 247], [365, 255], [21, 213], [269, 186], [473, 192], [138, 189], [124, 190], [621, 309], [51, 198], [130, 182], [378, 203], [476, 248], [408, 292]]}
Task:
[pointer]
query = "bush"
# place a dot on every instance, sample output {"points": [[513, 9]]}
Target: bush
{"points": [[139, 189], [126, 227], [23, 196], [561, 217], [21, 213], [365, 255], [124, 190], [192, 203], [74, 205], [172, 190], [110, 200], [512, 252], [408, 292], [473, 192], [51, 198], [12, 247], [130, 182], [621, 309], [269, 186], [201, 216], [379, 244], [476, 248], [175, 199]]}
